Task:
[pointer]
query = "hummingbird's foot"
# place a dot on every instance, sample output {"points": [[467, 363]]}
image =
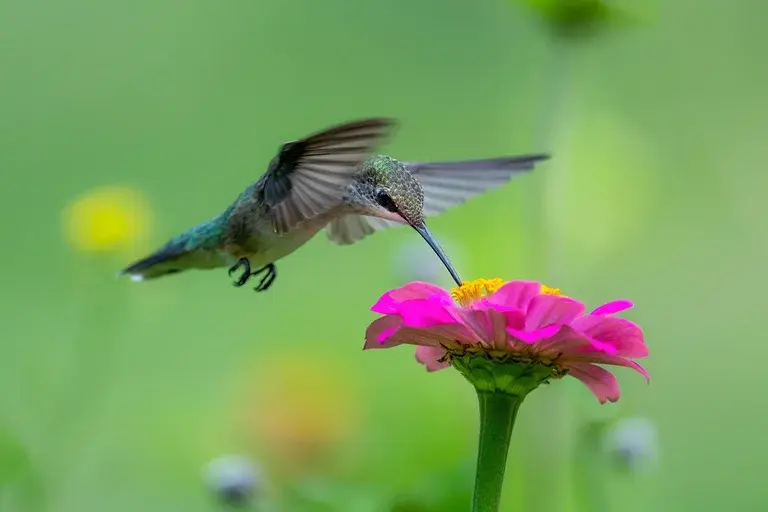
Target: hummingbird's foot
{"points": [[246, 273], [268, 279]]}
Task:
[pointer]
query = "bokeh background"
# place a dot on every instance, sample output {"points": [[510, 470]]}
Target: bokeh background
{"points": [[123, 123]]}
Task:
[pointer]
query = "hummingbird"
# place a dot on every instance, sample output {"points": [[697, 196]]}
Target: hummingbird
{"points": [[329, 180]]}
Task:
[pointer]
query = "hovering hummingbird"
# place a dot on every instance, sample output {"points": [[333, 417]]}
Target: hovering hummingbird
{"points": [[327, 180]]}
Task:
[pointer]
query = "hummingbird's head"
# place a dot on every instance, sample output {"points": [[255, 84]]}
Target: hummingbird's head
{"points": [[385, 188]]}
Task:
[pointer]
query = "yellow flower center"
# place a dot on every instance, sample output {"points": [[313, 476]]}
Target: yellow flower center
{"points": [[470, 291], [476, 289], [546, 290]]}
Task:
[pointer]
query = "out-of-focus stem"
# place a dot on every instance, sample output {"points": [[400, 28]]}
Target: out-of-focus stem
{"points": [[587, 468], [545, 204], [552, 418], [82, 389]]}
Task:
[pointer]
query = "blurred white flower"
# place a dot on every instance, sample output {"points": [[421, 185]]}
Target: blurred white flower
{"points": [[414, 260], [632, 443], [235, 479]]}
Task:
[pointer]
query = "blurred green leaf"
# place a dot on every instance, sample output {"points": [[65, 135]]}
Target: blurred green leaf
{"points": [[578, 19], [13, 458], [21, 486]]}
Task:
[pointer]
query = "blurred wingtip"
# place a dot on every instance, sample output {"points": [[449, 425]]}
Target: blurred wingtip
{"points": [[540, 157]]}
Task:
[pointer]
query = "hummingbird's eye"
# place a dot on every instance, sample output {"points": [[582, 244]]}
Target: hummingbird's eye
{"points": [[386, 201]]}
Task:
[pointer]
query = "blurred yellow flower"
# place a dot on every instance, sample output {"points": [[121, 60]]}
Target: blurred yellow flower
{"points": [[107, 219]]}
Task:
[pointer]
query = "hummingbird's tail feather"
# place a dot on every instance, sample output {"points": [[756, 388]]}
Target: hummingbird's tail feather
{"points": [[197, 247], [173, 259], [447, 184], [165, 261]]}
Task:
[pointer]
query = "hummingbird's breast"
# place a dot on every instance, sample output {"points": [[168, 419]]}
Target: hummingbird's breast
{"points": [[265, 246]]}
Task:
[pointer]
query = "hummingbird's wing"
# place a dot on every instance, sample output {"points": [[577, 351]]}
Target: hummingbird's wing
{"points": [[351, 228], [308, 176], [445, 184]]}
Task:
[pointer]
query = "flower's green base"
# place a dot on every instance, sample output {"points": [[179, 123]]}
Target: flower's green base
{"points": [[512, 376], [502, 384]]}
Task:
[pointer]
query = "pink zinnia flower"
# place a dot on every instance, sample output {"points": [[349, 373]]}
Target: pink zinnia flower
{"points": [[522, 322]]}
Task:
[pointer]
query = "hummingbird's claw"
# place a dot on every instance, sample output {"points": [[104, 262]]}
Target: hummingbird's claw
{"points": [[246, 274], [268, 279]]}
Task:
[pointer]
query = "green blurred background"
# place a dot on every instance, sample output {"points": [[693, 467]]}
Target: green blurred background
{"points": [[115, 395]]}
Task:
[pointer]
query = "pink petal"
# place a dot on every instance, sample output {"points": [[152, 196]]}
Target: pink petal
{"points": [[484, 304], [603, 358], [424, 313], [430, 357], [603, 347], [567, 341], [476, 323], [546, 310], [452, 336], [387, 303], [534, 336], [570, 346], [626, 336], [599, 380], [498, 324], [514, 319], [515, 294], [611, 308], [627, 363], [379, 333]]}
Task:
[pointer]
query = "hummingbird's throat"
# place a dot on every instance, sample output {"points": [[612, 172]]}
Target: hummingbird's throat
{"points": [[476, 289]]}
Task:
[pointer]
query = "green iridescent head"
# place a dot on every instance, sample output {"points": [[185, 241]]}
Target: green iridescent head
{"points": [[385, 185]]}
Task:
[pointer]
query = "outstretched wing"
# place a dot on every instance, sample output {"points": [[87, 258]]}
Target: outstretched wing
{"points": [[445, 184], [308, 176], [351, 228]]}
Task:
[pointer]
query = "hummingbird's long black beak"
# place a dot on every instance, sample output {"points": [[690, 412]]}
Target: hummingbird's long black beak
{"points": [[427, 236]]}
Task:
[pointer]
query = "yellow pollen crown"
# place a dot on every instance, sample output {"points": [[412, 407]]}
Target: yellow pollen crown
{"points": [[476, 289], [470, 291], [546, 290]]}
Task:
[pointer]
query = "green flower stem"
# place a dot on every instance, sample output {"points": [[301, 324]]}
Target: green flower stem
{"points": [[498, 411], [501, 383]]}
